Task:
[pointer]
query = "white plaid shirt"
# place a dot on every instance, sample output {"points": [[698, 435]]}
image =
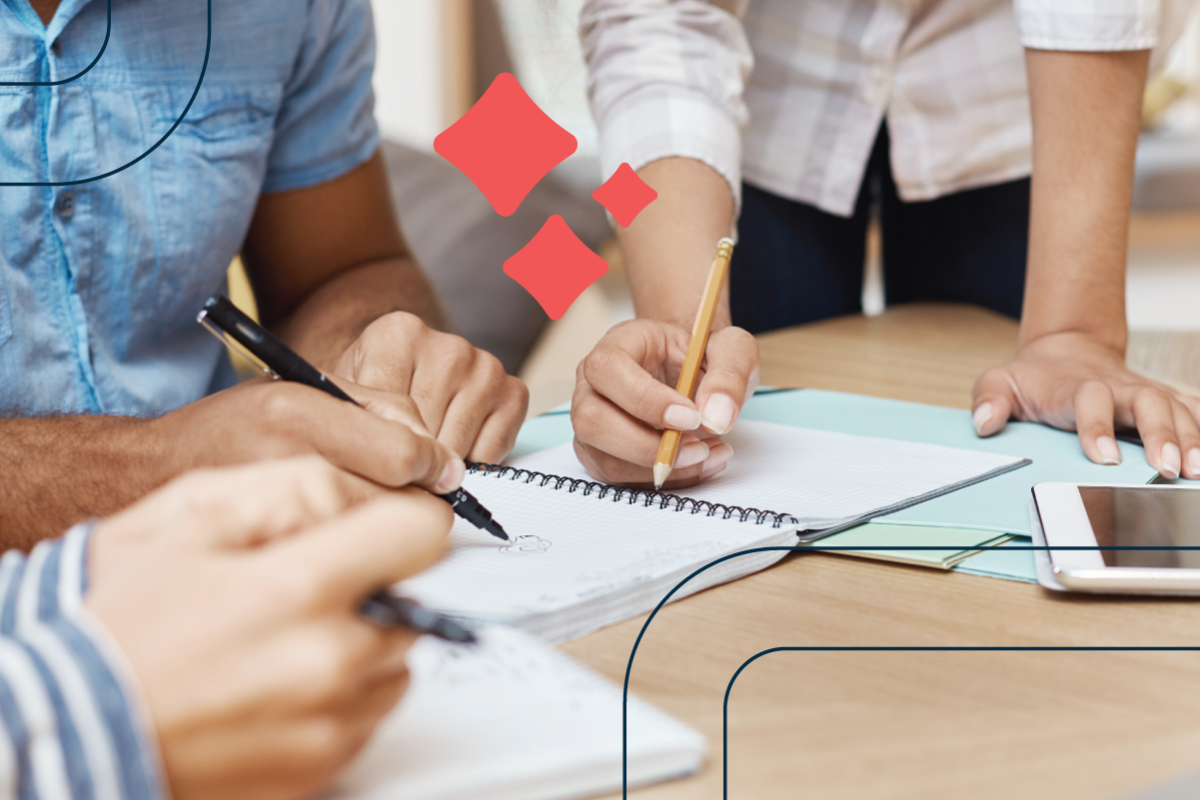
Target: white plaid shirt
{"points": [[790, 94]]}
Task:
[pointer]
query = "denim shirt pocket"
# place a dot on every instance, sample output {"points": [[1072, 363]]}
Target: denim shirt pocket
{"points": [[206, 187]]}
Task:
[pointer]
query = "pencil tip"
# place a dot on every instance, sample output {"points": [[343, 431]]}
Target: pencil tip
{"points": [[661, 472]]}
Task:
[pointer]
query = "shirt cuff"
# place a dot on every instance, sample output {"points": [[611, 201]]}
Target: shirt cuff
{"points": [[1086, 25], [659, 122]]}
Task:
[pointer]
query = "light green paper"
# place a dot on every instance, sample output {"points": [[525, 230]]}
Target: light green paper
{"points": [[953, 541]]}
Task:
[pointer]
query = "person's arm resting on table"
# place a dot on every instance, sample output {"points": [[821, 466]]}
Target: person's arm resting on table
{"points": [[334, 279], [1070, 367], [624, 393]]}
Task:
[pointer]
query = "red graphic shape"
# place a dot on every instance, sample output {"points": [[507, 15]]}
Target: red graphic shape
{"points": [[555, 267], [505, 144], [624, 195]]}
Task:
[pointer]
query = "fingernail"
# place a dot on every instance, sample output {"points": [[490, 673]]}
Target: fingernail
{"points": [[718, 413], [1194, 461], [1170, 461], [717, 457], [1109, 452], [681, 418], [981, 417], [691, 454], [452, 476]]}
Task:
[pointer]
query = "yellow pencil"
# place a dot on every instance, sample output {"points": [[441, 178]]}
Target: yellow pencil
{"points": [[669, 446]]}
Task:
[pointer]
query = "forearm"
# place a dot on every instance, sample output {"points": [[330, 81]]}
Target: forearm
{"points": [[669, 247], [334, 316], [61, 470], [1085, 109]]}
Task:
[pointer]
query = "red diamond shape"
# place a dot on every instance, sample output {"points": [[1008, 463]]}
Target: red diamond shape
{"points": [[555, 267], [624, 195], [505, 144]]}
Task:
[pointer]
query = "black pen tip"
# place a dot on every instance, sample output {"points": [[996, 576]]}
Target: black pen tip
{"points": [[494, 529]]}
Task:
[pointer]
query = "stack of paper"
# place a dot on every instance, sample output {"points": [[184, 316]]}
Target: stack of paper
{"points": [[511, 719]]}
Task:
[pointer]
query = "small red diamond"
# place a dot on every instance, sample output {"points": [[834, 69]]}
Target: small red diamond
{"points": [[505, 144], [624, 195], [555, 267]]}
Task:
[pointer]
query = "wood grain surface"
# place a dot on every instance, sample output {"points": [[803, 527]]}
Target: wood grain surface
{"points": [[926, 725]]}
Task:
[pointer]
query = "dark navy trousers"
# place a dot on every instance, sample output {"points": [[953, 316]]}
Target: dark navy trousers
{"points": [[795, 263]]}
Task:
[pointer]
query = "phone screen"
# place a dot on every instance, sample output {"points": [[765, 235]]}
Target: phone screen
{"points": [[1145, 517]]}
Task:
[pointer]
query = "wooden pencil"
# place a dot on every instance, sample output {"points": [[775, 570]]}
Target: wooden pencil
{"points": [[668, 447]]}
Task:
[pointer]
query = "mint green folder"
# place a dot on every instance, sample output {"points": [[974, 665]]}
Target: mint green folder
{"points": [[999, 505]]}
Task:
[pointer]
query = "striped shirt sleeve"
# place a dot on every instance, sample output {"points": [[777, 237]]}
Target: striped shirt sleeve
{"points": [[71, 724], [666, 78]]}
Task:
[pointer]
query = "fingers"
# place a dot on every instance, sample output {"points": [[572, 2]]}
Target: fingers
{"points": [[384, 452], [484, 418], [245, 506], [730, 376], [375, 545], [388, 405], [993, 401], [1154, 414], [498, 435], [459, 393], [629, 367], [1189, 439], [1094, 410]]}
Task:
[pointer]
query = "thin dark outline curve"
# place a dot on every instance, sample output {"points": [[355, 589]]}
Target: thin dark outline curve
{"points": [[967, 649], [153, 147], [817, 548], [86, 70]]}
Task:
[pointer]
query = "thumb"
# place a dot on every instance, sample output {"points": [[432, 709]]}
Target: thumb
{"points": [[992, 402]]}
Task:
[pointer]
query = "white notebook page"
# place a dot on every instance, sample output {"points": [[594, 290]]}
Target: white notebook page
{"points": [[570, 548], [820, 477], [512, 719]]}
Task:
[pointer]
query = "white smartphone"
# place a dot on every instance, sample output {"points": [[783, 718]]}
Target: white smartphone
{"points": [[1093, 516]]}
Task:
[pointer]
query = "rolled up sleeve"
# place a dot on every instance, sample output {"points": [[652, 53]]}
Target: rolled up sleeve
{"points": [[666, 79], [1098, 25]]}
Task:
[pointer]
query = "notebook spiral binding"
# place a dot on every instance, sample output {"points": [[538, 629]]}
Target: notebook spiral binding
{"points": [[647, 498]]}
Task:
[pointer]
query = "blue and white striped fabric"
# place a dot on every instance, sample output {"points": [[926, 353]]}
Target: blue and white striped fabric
{"points": [[70, 726]]}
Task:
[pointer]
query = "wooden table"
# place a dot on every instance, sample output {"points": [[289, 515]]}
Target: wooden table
{"points": [[922, 724]]}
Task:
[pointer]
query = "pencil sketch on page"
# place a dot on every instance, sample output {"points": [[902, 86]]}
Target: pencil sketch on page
{"points": [[525, 545]]}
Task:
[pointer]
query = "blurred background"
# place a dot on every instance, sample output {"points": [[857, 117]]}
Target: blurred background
{"points": [[436, 57]]}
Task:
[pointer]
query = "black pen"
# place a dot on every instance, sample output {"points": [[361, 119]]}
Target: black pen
{"points": [[389, 611], [225, 321]]}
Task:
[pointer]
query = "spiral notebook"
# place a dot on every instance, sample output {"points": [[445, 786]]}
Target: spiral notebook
{"points": [[585, 555]]}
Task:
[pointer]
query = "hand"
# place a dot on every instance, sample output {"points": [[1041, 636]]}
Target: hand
{"points": [[234, 597], [462, 394], [624, 398], [264, 419], [1072, 382]]}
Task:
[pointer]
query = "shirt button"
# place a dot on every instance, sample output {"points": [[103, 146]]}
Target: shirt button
{"points": [[66, 205], [56, 48]]}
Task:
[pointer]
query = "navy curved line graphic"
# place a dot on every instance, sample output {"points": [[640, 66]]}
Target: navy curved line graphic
{"points": [[868, 649], [86, 70], [832, 548], [153, 147]]}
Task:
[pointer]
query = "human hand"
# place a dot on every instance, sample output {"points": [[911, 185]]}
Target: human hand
{"points": [[1073, 382], [463, 395], [624, 398], [263, 419], [234, 596]]}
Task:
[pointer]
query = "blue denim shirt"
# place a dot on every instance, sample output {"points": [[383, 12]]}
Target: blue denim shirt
{"points": [[100, 283]]}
